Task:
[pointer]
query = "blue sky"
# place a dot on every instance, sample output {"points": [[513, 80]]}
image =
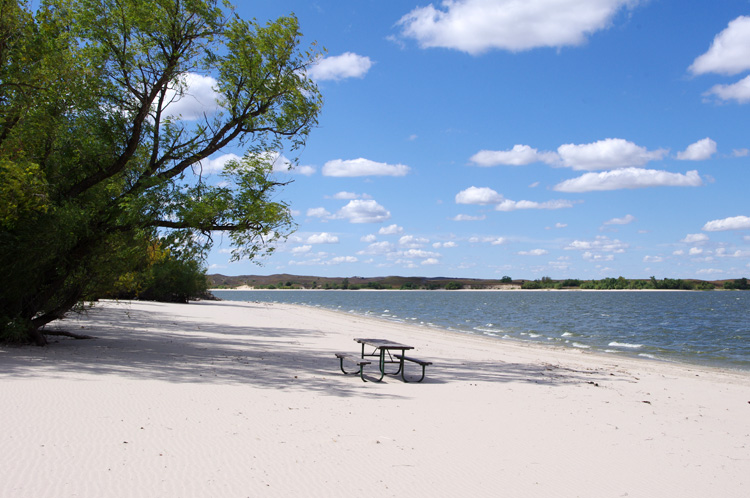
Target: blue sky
{"points": [[481, 138]]}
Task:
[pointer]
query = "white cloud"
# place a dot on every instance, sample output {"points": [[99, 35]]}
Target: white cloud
{"points": [[216, 165], [519, 155], [723, 253], [694, 251], [625, 220], [699, 151], [533, 252], [495, 241], [369, 238], [431, 261], [733, 223], [391, 230], [303, 170], [590, 256], [361, 211], [730, 51], [322, 238], [449, 244], [412, 241], [475, 26], [466, 217], [346, 65], [318, 213], [653, 259], [629, 178], [740, 152], [343, 259], [419, 253], [693, 238], [508, 205], [561, 225], [347, 196], [301, 249], [362, 167], [378, 248], [739, 91], [601, 243], [610, 153], [478, 195], [280, 163], [679, 252], [709, 271], [192, 97]]}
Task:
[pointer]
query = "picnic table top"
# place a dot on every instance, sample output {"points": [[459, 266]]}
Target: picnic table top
{"points": [[383, 343]]}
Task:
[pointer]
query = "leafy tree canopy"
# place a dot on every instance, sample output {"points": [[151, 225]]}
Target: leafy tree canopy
{"points": [[99, 157]]}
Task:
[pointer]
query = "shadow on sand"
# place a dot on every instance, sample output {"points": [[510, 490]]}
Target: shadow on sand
{"points": [[137, 343]]}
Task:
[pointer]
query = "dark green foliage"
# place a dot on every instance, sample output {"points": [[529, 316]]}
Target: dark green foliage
{"points": [[739, 284], [93, 169]]}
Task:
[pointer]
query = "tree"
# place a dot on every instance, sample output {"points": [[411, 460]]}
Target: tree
{"points": [[99, 156]]}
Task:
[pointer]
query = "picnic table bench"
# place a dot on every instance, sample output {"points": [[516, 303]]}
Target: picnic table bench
{"points": [[422, 363], [355, 360]]}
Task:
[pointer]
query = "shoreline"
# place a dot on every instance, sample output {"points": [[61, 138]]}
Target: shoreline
{"points": [[519, 289], [641, 348], [241, 399]]}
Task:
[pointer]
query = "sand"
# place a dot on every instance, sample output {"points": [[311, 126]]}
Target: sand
{"points": [[233, 399]]}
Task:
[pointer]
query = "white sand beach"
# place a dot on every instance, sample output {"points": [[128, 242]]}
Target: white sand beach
{"points": [[229, 399]]}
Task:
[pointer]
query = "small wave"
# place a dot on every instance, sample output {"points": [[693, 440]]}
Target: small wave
{"points": [[616, 344], [566, 334], [534, 336], [579, 345]]}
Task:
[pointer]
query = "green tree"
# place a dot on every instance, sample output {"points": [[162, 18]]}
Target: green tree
{"points": [[96, 158]]}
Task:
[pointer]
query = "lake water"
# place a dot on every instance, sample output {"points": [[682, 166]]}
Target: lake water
{"points": [[706, 328]]}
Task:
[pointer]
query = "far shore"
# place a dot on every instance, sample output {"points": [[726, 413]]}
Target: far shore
{"points": [[501, 289]]}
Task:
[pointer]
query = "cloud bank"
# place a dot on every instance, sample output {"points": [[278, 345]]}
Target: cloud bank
{"points": [[476, 26]]}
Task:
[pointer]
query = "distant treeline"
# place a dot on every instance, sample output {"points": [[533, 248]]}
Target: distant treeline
{"points": [[631, 284], [421, 283]]}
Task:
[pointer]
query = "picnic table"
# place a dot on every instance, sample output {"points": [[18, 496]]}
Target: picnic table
{"points": [[382, 348]]}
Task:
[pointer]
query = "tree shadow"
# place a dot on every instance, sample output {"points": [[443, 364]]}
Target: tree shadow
{"points": [[139, 344]]}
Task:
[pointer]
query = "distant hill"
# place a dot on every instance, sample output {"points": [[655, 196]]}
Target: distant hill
{"points": [[288, 281], [284, 280]]}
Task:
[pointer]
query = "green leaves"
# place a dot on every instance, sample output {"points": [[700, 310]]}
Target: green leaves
{"points": [[96, 156], [23, 192]]}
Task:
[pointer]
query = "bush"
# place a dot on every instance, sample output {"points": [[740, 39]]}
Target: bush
{"points": [[532, 285]]}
